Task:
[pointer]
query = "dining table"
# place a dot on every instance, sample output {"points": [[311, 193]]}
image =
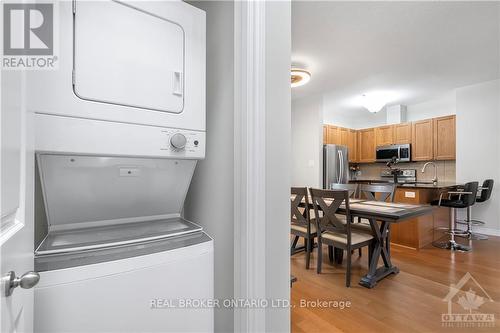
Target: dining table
{"points": [[381, 216]]}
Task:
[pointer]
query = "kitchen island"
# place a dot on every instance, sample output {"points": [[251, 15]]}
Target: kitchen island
{"points": [[419, 231]]}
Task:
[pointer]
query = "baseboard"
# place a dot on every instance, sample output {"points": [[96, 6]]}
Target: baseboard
{"points": [[486, 231]]}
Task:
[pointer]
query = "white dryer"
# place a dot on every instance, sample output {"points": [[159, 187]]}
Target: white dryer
{"points": [[119, 129]]}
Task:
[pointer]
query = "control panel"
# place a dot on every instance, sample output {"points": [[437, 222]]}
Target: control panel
{"points": [[182, 142]]}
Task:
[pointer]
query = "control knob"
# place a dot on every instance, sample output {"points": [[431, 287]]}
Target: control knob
{"points": [[178, 141]]}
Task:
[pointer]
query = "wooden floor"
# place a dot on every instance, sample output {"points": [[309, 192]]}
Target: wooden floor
{"points": [[411, 301]]}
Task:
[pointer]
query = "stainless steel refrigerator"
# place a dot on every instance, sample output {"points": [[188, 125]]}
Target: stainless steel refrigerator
{"points": [[335, 165]]}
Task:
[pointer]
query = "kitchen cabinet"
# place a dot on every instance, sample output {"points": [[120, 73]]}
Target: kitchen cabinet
{"points": [[366, 145], [444, 138], [431, 139], [352, 145], [333, 135], [343, 133], [420, 231], [402, 133], [384, 135], [422, 140]]}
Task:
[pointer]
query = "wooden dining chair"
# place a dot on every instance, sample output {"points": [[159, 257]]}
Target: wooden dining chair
{"points": [[301, 225], [353, 193], [334, 232], [351, 188]]}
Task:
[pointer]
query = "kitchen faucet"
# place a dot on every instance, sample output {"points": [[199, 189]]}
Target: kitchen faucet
{"points": [[435, 179]]}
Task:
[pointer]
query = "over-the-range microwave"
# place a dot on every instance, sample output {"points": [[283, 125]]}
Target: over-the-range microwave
{"points": [[402, 152]]}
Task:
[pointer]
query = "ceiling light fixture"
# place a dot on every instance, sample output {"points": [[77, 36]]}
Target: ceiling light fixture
{"points": [[299, 77], [374, 103]]}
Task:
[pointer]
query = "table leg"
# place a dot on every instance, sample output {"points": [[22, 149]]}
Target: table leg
{"points": [[380, 249]]}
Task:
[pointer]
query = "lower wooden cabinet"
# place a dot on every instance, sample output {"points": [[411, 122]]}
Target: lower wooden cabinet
{"points": [[420, 231]]}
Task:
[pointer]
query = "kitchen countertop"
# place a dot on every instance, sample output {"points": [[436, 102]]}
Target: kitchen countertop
{"points": [[440, 185]]}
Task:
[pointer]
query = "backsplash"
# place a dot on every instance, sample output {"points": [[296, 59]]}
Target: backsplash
{"points": [[446, 170]]}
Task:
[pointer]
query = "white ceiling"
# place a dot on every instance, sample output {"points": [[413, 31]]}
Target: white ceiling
{"points": [[415, 50]]}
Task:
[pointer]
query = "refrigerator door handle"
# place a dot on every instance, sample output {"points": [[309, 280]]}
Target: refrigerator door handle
{"points": [[341, 166], [339, 173]]}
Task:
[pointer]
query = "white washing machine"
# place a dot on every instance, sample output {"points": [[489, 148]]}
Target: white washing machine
{"points": [[119, 127]]}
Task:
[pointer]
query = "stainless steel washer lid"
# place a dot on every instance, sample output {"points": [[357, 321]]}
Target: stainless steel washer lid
{"points": [[75, 240], [83, 191], [80, 258]]}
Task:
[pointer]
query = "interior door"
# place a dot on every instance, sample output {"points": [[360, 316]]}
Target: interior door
{"points": [[117, 63], [16, 196]]}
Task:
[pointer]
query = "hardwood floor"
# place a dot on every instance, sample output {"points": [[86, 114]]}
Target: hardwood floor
{"points": [[411, 301]]}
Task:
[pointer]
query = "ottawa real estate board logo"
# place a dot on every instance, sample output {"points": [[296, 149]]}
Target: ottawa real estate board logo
{"points": [[465, 300], [29, 36]]}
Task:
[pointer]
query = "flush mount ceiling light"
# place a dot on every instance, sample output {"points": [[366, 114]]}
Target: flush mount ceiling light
{"points": [[374, 103], [299, 77]]}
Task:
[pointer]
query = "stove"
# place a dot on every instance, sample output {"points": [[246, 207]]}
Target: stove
{"points": [[404, 176]]}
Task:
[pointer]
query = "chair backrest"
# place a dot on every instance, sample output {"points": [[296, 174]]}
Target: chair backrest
{"points": [[301, 200], [486, 191], [351, 188], [329, 201], [377, 192], [470, 199]]}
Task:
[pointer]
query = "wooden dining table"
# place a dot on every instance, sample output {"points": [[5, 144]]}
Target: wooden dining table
{"points": [[381, 216]]}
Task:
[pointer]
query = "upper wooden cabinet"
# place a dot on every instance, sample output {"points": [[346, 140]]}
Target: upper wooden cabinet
{"points": [[352, 145], [444, 138], [402, 133], [431, 139], [366, 145], [343, 133], [422, 140], [384, 135], [333, 135]]}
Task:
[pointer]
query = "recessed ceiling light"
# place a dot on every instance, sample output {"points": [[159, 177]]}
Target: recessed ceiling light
{"points": [[299, 77]]}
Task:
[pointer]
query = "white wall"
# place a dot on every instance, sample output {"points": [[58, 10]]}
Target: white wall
{"points": [[478, 145], [443, 105], [307, 139], [210, 197]]}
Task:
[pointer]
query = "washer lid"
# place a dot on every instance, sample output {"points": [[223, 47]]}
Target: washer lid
{"points": [[127, 56], [81, 191]]}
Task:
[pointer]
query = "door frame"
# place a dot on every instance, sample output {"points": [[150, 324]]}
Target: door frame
{"points": [[262, 155]]}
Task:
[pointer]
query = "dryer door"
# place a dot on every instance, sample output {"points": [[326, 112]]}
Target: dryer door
{"points": [[117, 63]]}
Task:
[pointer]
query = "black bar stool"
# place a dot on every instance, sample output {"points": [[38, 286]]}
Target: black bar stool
{"points": [[463, 198], [485, 195]]}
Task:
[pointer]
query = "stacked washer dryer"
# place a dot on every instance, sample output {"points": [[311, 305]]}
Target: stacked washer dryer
{"points": [[119, 128]]}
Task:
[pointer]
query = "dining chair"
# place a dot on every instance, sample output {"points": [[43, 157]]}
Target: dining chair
{"points": [[351, 188], [353, 193], [374, 192], [301, 225], [331, 230]]}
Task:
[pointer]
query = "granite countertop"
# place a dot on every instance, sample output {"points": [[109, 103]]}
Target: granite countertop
{"points": [[424, 184], [439, 185]]}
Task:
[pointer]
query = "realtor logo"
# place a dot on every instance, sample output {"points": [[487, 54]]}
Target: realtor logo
{"points": [[470, 296], [28, 36], [28, 29]]}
